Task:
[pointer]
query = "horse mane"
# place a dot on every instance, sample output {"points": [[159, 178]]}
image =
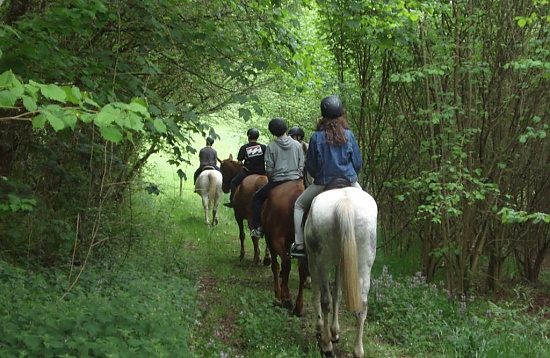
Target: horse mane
{"points": [[233, 165]]}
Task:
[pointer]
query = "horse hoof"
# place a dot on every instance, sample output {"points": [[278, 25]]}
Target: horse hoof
{"points": [[323, 353], [267, 261]]}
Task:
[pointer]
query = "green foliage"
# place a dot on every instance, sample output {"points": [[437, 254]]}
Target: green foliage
{"points": [[424, 318], [513, 216], [75, 109], [112, 311]]}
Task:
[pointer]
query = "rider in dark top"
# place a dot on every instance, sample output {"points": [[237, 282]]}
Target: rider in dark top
{"points": [[251, 155]]}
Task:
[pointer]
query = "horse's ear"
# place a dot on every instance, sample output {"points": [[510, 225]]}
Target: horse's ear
{"points": [[219, 160], [230, 156]]}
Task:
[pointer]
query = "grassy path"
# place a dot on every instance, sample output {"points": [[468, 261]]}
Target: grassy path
{"points": [[237, 316]]}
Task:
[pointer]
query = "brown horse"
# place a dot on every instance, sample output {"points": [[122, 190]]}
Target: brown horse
{"points": [[242, 202], [278, 225]]}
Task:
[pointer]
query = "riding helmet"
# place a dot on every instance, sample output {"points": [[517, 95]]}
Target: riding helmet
{"points": [[296, 131], [331, 107], [253, 133], [209, 140], [277, 127]]}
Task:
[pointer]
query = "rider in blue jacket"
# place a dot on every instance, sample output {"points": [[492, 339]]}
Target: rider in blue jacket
{"points": [[333, 153]]}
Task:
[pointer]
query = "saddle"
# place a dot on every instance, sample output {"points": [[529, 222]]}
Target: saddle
{"points": [[207, 167], [337, 183]]}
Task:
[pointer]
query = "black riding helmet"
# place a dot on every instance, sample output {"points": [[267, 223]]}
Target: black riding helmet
{"points": [[296, 131], [277, 127], [253, 133], [209, 140], [331, 107]]}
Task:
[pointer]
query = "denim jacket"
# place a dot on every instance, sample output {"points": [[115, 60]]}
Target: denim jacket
{"points": [[329, 161]]}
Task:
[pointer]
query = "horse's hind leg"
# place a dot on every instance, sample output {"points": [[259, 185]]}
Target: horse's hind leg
{"points": [[360, 316], [267, 257], [275, 270], [285, 273], [214, 217], [303, 275], [336, 294], [326, 305], [359, 325], [242, 236], [206, 209]]}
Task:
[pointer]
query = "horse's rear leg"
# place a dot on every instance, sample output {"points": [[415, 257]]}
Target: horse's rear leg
{"points": [[242, 236], [267, 257], [326, 305], [256, 243], [359, 325], [285, 273], [303, 275], [276, 285], [322, 300], [206, 209], [336, 294], [214, 217], [362, 315]]}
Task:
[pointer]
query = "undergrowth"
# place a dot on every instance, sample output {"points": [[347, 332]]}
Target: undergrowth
{"points": [[421, 317], [127, 308]]}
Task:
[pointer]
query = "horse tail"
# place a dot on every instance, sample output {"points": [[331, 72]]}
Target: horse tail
{"points": [[349, 272], [212, 186]]}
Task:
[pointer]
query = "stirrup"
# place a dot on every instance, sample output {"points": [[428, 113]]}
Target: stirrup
{"points": [[296, 252], [257, 232]]}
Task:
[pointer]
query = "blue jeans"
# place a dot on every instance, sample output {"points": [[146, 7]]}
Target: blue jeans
{"points": [[236, 181], [258, 200]]}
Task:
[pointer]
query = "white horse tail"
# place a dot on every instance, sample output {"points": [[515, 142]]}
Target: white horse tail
{"points": [[349, 272], [212, 186]]}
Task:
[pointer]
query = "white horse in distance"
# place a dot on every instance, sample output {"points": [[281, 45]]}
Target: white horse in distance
{"points": [[209, 187]]}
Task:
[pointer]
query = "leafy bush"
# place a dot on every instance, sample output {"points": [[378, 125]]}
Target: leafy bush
{"points": [[424, 318], [120, 311]]}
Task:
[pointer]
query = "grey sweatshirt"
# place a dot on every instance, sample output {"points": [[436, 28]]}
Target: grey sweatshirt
{"points": [[284, 159]]}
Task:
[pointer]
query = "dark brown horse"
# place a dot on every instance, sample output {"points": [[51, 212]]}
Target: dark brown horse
{"points": [[278, 225], [242, 201]]}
